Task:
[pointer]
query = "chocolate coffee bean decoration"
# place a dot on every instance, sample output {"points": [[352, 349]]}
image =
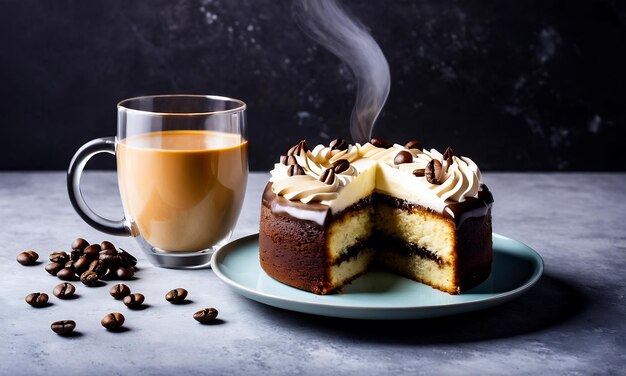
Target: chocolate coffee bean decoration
{"points": [[59, 256], [27, 258], [379, 143], [338, 144], [434, 172], [92, 252], [54, 267], [414, 144], [134, 300], [119, 291], [37, 299], [419, 172], [328, 176], [89, 278], [403, 157], [206, 315], [176, 296], [113, 320], [283, 160], [80, 244], [64, 290], [341, 165], [66, 274], [63, 327]]}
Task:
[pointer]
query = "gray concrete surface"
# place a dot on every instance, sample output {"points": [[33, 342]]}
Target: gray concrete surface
{"points": [[571, 322]]}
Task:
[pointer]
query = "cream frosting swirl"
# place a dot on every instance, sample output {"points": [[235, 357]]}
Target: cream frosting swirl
{"points": [[459, 180]]}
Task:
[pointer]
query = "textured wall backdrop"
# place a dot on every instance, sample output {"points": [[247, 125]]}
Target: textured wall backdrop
{"points": [[517, 85]]}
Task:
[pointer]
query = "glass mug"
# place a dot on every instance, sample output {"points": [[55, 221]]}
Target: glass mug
{"points": [[182, 169]]}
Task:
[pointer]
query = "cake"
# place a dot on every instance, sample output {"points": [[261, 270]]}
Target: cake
{"points": [[332, 213]]}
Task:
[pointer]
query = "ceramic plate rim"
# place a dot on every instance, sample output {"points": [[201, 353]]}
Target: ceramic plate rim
{"points": [[232, 246]]}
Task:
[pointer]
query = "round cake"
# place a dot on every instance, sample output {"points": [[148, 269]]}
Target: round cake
{"points": [[331, 213]]}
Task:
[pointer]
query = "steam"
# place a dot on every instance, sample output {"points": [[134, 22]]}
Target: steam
{"points": [[329, 24]]}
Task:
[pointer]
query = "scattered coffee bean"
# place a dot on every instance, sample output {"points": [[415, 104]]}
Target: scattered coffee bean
{"points": [[107, 245], [124, 273], [70, 265], [176, 296], [89, 278], [413, 144], [80, 244], [109, 256], [63, 327], [59, 256], [37, 299], [338, 144], [112, 320], [434, 172], [53, 268], [206, 315], [75, 254], [27, 258], [379, 143], [403, 157], [92, 252], [81, 265], [119, 291], [64, 290], [134, 300], [126, 258], [99, 267], [66, 274], [109, 274], [341, 165]]}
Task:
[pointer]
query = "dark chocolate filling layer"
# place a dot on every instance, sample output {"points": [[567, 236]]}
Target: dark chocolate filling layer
{"points": [[404, 248], [351, 252]]}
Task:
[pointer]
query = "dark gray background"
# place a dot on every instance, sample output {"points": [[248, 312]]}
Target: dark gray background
{"points": [[516, 85]]}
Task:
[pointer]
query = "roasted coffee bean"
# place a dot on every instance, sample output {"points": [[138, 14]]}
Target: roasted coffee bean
{"points": [[206, 315], [27, 258], [434, 172], [64, 290], [59, 256], [107, 245], [99, 267], [112, 320], [81, 265], [110, 273], [92, 252], [54, 267], [89, 278], [70, 265], [80, 244], [126, 259], [338, 144], [119, 291], [125, 273], [176, 296], [414, 144], [328, 176], [403, 157], [419, 172], [37, 299], [341, 165], [66, 274], [109, 256], [75, 254], [294, 170], [63, 327], [134, 300], [379, 143]]}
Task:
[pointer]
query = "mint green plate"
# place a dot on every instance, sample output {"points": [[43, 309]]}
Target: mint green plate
{"points": [[380, 295]]}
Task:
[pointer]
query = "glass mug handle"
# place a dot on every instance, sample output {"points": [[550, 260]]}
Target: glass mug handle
{"points": [[74, 173]]}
